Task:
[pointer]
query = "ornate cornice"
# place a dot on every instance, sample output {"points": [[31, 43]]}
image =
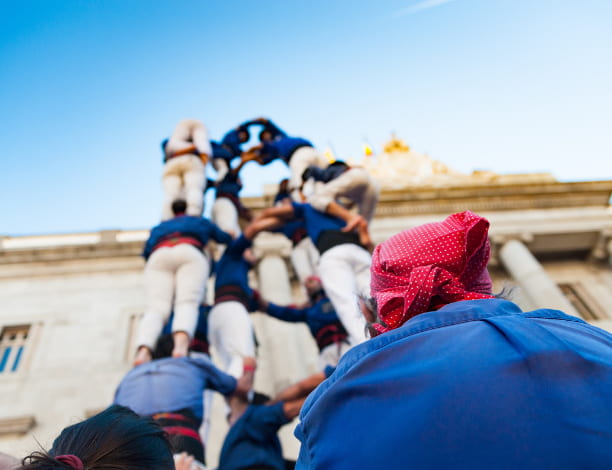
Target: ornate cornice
{"points": [[17, 425], [49, 252]]}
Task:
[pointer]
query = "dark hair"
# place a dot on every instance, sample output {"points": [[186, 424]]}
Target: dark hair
{"points": [[179, 206], [263, 133], [163, 347], [338, 163], [283, 186], [115, 439], [244, 130]]}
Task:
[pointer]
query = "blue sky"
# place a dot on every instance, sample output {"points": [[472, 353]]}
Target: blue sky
{"points": [[90, 88]]}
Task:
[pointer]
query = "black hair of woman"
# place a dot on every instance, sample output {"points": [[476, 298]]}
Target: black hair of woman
{"points": [[115, 439]]}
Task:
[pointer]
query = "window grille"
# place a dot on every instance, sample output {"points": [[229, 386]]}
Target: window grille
{"points": [[588, 308], [13, 341]]}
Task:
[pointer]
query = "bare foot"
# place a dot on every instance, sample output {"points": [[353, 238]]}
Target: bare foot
{"points": [[181, 344], [142, 355]]}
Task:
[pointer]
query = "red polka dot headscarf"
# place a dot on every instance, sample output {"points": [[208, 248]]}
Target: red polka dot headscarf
{"points": [[424, 268]]}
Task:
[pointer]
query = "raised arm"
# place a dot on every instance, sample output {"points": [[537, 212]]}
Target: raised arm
{"points": [[292, 408], [235, 171], [286, 211], [353, 222], [285, 313], [218, 380], [301, 389], [252, 155], [219, 235], [262, 225]]}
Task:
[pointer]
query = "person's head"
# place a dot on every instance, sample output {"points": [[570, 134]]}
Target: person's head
{"points": [[426, 267], [313, 286], [115, 439], [283, 186], [165, 345], [179, 207], [265, 135], [243, 135]]}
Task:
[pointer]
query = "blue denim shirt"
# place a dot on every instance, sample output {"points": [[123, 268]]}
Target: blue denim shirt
{"points": [[475, 385], [171, 384], [197, 227], [252, 441]]}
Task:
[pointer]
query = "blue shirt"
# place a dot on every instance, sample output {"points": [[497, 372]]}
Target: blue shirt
{"points": [[252, 440], [230, 145], [317, 316], [294, 230], [185, 225], [316, 221], [222, 152], [325, 175], [231, 140], [334, 170], [232, 270], [171, 384], [282, 148], [475, 385], [230, 184]]}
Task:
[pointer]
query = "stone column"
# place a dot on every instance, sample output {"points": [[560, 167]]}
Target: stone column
{"points": [[284, 346], [285, 352], [603, 245], [532, 278]]}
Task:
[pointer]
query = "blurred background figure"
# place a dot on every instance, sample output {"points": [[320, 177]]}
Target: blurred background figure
{"points": [[186, 153]]}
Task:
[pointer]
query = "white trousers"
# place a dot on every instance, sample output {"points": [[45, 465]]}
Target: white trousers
{"points": [[221, 167], [331, 354], [301, 159], [189, 132], [304, 258], [345, 275], [230, 331], [355, 184], [225, 216], [176, 273], [184, 177]]}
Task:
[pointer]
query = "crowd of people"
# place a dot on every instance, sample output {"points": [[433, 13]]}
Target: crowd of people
{"points": [[420, 364], [323, 208]]}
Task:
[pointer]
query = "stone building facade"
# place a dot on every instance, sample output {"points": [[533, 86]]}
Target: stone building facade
{"points": [[71, 303]]}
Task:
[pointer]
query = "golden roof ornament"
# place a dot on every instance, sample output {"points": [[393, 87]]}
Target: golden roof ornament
{"points": [[396, 145], [398, 166]]}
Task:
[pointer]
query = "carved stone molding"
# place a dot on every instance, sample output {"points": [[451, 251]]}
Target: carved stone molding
{"points": [[17, 425], [271, 244]]}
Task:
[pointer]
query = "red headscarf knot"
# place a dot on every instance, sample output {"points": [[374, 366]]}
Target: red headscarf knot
{"points": [[426, 267], [71, 460]]}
